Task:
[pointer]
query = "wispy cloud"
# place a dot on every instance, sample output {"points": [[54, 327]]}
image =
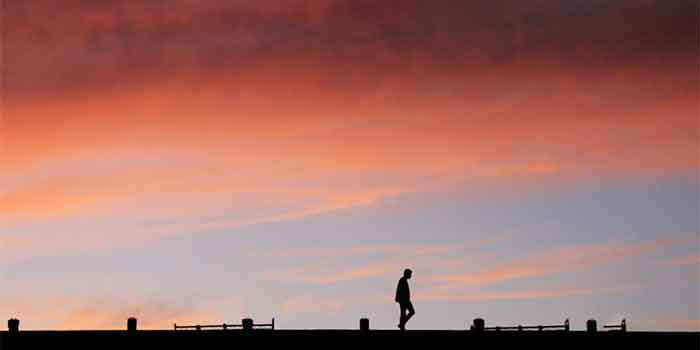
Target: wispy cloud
{"points": [[312, 304], [439, 295], [556, 260], [309, 303], [670, 323], [691, 324], [329, 275], [384, 249], [384, 260], [103, 312], [688, 260]]}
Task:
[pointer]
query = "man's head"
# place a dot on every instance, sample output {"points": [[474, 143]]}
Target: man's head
{"points": [[407, 273]]}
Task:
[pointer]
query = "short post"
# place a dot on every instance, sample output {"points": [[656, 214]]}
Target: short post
{"points": [[566, 325], [247, 324], [364, 324], [131, 324], [591, 326], [13, 325], [479, 325], [520, 328], [623, 325]]}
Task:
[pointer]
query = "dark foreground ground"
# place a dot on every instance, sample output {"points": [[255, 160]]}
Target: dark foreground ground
{"points": [[325, 339]]}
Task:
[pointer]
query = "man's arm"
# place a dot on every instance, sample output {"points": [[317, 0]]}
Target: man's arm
{"points": [[398, 292]]}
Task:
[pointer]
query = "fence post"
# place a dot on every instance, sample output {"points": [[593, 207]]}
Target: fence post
{"points": [[591, 326], [364, 324], [247, 324], [479, 325], [13, 325], [131, 324]]}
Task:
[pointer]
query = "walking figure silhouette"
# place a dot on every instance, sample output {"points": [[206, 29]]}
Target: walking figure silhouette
{"points": [[403, 297]]}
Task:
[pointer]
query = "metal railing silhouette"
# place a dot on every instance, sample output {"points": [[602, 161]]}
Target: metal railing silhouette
{"points": [[620, 327], [246, 324], [564, 327]]}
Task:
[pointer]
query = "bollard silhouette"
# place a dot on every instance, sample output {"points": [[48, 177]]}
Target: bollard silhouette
{"points": [[247, 324], [13, 325], [591, 326], [364, 324], [479, 325], [131, 324]]}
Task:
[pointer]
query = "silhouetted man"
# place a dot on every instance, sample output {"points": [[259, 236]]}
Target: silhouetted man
{"points": [[403, 297]]}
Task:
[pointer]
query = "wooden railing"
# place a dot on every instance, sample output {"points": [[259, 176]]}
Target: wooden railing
{"points": [[564, 327], [622, 327], [246, 324]]}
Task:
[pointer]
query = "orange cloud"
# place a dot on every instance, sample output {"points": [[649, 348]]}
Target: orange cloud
{"points": [[670, 323], [144, 148], [300, 134], [684, 323], [103, 313]]}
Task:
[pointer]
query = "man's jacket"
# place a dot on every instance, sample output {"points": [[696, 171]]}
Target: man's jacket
{"points": [[403, 295]]}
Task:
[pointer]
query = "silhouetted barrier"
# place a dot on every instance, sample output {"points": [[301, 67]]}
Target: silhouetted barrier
{"points": [[364, 324], [246, 324], [478, 325], [561, 327], [131, 324], [13, 325], [591, 326], [622, 327]]}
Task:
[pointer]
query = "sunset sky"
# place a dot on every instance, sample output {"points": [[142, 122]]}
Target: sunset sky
{"points": [[203, 161]]}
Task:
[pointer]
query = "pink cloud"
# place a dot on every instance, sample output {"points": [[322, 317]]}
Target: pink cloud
{"points": [[439, 295], [557, 260], [687, 260], [670, 323], [67, 312]]}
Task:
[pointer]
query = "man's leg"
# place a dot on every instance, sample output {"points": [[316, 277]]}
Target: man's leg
{"points": [[402, 316], [411, 312]]}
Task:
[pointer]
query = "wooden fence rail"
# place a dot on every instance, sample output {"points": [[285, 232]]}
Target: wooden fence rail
{"points": [[245, 324], [565, 327]]}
